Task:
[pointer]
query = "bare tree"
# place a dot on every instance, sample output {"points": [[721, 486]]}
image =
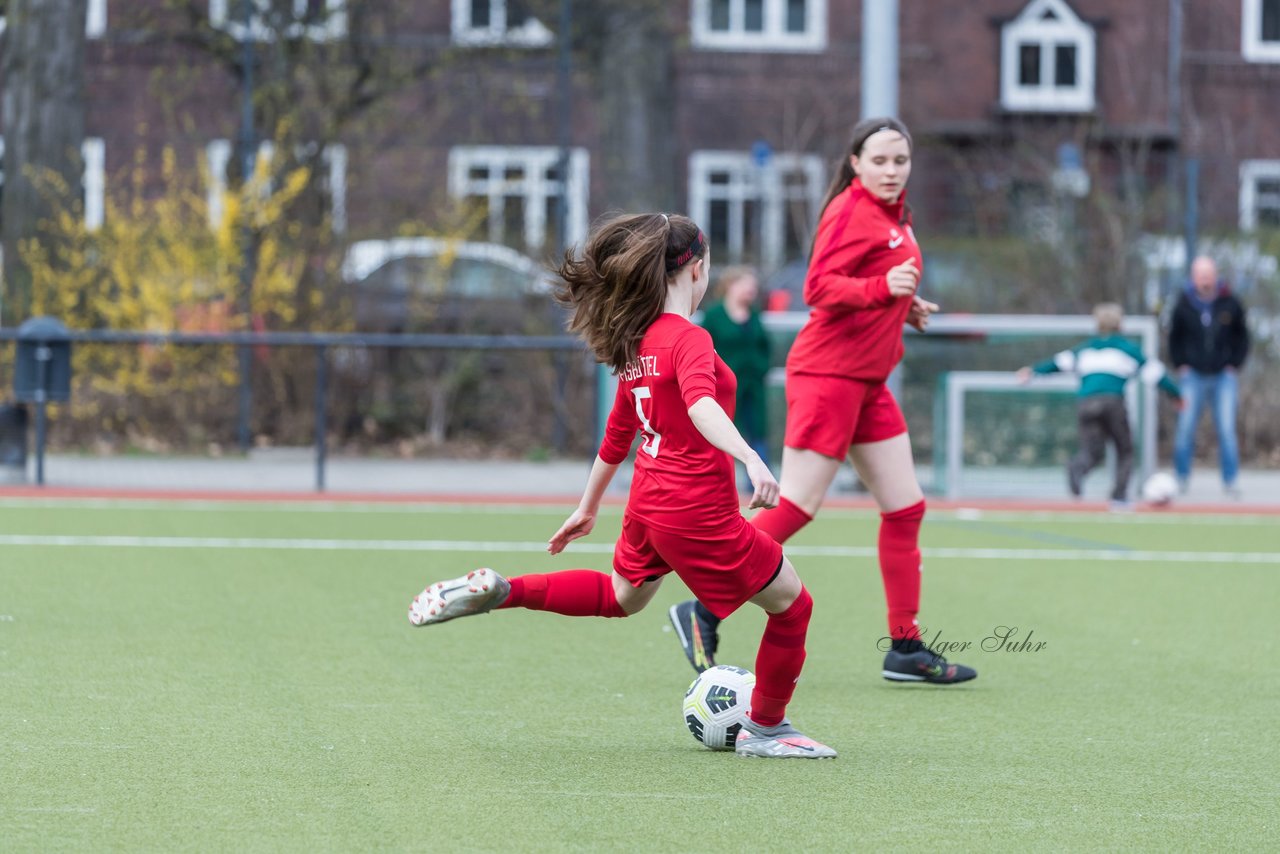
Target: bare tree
{"points": [[43, 129]]}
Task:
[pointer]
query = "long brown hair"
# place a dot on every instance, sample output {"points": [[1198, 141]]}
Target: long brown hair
{"points": [[863, 130], [617, 287]]}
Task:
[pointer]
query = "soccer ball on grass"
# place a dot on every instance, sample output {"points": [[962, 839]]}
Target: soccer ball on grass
{"points": [[715, 706]]}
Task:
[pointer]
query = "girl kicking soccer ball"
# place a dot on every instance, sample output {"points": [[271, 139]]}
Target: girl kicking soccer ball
{"points": [[632, 292]]}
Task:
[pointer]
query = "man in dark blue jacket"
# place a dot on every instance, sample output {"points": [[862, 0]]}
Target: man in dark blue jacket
{"points": [[1208, 342]]}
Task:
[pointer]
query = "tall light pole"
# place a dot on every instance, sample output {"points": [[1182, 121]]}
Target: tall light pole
{"points": [[248, 160], [879, 58], [880, 83]]}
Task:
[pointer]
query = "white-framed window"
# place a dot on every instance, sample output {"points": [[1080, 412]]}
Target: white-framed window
{"points": [[1048, 60], [1259, 194], [95, 19], [93, 180], [759, 25], [516, 190], [510, 23], [756, 209], [332, 177], [318, 20], [1260, 40]]}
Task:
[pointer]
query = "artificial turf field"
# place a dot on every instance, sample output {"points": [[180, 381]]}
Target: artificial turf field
{"points": [[221, 676]]}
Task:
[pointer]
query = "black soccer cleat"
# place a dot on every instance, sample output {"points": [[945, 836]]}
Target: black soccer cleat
{"points": [[696, 635], [915, 662]]}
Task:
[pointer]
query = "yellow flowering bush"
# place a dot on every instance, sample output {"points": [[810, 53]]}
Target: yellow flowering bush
{"points": [[158, 264]]}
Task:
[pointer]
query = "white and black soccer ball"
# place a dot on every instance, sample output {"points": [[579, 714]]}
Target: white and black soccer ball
{"points": [[716, 704], [1159, 489]]}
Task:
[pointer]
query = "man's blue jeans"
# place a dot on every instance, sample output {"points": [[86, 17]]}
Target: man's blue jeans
{"points": [[1221, 392]]}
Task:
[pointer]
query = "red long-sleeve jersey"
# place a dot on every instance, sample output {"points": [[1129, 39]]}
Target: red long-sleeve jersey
{"points": [[682, 482], [855, 327]]}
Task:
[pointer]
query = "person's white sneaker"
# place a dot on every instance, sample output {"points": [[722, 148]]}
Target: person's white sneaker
{"points": [[474, 593], [779, 742]]}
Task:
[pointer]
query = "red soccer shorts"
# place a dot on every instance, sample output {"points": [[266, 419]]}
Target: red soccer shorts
{"points": [[723, 568], [829, 414]]}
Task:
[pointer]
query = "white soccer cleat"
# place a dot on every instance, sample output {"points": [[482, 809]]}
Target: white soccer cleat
{"points": [[474, 593]]}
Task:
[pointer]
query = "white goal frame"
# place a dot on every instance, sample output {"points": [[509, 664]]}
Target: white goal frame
{"points": [[1140, 398], [957, 384]]}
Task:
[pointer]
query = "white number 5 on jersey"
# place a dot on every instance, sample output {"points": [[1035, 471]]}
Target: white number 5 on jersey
{"points": [[651, 437]]}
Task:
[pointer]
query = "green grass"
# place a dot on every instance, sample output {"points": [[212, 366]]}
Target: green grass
{"points": [[208, 698]]}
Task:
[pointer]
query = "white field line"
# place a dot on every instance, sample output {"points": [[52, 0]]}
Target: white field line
{"points": [[499, 547], [257, 507]]}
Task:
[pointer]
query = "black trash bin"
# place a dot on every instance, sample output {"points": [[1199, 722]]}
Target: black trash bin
{"points": [[42, 373], [13, 443]]}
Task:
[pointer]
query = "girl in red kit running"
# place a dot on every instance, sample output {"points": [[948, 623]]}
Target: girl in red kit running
{"points": [[861, 285], [632, 292]]}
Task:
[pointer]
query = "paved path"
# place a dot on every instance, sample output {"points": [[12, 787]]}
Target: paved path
{"points": [[293, 472]]}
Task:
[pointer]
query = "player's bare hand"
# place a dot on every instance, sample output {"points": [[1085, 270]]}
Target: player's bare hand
{"points": [[1024, 375], [918, 316], [578, 525], [903, 279], [766, 486]]}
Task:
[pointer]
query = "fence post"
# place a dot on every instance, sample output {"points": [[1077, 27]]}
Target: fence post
{"points": [[246, 398], [43, 355], [559, 429], [322, 384]]}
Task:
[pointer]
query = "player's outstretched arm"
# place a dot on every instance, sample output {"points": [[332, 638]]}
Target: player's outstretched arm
{"points": [[582, 520], [718, 429]]}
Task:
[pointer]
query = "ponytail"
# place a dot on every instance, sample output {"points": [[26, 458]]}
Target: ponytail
{"points": [[617, 287]]}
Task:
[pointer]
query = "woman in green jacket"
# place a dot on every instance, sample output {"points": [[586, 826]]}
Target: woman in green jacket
{"points": [[739, 338]]}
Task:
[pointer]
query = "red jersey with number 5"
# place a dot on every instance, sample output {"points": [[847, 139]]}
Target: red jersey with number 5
{"points": [[682, 482]]}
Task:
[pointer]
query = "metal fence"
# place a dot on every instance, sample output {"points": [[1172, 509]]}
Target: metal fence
{"points": [[187, 386], [371, 412]]}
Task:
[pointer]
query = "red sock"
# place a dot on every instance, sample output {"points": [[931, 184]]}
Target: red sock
{"points": [[782, 521], [900, 567], [779, 661], [574, 592]]}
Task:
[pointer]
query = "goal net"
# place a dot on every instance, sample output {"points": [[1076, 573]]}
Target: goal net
{"points": [[975, 430], [997, 437]]}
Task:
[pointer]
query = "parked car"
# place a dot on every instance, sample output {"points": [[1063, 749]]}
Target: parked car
{"points": [[430, 284]]}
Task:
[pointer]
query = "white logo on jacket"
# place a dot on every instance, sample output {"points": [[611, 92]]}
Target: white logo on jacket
{"points": [[895, 238]]}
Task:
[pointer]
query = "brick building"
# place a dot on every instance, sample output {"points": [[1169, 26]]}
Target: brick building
{"points": [[733, 110]]}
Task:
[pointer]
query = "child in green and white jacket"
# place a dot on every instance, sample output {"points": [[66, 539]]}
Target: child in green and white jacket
{"points": [[1105, 364]]}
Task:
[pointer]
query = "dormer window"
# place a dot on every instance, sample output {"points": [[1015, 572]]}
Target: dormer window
{"points": [[1047, 60]]}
